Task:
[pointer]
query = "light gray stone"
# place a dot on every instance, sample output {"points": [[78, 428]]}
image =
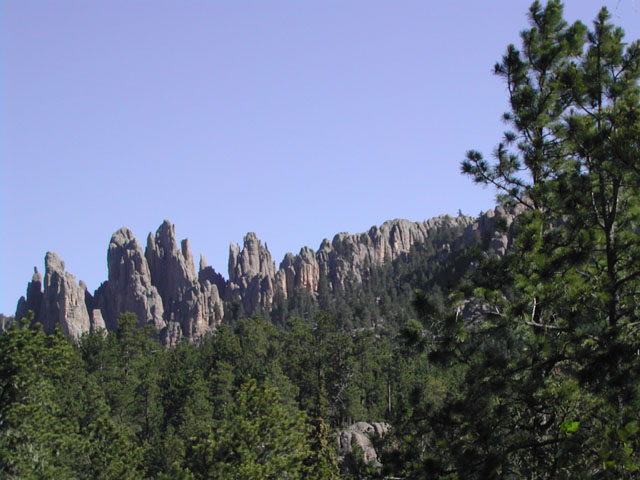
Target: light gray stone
{"points": [[362, 434], [63, 300], [252, 274]]}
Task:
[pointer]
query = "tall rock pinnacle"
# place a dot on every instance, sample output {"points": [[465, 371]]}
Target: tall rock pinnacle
{"points": [[62, 302], [195, 306], [251, 273], [129, 288]]}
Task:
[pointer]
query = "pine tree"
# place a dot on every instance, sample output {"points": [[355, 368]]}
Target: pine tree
{"points": [[258, 437], [54, 419], [549, 384], [321, 462]]}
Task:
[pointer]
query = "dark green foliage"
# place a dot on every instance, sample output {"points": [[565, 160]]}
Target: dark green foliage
{"points": [[257, 437], [546, 377], [119, 405], [54, 420], [321, 460]]}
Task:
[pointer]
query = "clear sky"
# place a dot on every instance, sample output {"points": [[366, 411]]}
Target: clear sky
{"points": [[294, 119]]}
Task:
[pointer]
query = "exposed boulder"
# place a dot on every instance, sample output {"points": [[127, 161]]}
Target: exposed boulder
{"points": [[490, 230], [299, 271], [207, 273], [97, 322], [349, 258], [172, 270], [363, 435], [171, 335], [307, 270], [64, 299], [160, 286], [5, 322], [286, 276], [251, 261]]}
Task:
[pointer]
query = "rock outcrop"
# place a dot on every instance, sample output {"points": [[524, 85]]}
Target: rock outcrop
{"points": [[97, 322], [129, 287], [363, 435], [207, 273], [193, 305], [5, 322], [348, 258], [61, 303], [33, 300], [304, 271], [252, 273], [161, 286], [486, 233]]}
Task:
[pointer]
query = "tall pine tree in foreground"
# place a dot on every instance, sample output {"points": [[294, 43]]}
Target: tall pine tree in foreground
{"points": [[550, 382]]}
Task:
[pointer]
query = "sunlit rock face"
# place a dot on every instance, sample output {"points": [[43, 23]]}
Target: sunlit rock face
{"points": [[129, 287], [160, 284], [62, 302], [252, 274]]}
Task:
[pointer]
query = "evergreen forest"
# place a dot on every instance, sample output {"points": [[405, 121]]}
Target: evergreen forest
{"points": [[516, 366]]}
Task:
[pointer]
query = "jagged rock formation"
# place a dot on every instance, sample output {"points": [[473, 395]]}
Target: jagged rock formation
{"points": [[301, 271], [33, 301], [161, 286], [97, 322], [195, 306], [62, 302], [485, 232], [349, 258], [207, 273], [129, 287], [251, 273]]}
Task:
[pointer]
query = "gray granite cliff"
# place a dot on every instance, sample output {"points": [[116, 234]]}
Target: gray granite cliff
{"points": [[161, 286]]}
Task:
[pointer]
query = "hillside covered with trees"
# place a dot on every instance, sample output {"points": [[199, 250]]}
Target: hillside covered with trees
{"points": [[517, 363]]}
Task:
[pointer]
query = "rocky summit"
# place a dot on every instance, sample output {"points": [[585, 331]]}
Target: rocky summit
{"points": [[161, 286]]}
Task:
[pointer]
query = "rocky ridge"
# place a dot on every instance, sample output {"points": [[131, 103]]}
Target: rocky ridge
{"points": [[160, 284]]}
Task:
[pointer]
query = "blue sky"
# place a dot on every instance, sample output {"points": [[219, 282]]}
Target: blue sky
{"points": [[296, 120]]}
